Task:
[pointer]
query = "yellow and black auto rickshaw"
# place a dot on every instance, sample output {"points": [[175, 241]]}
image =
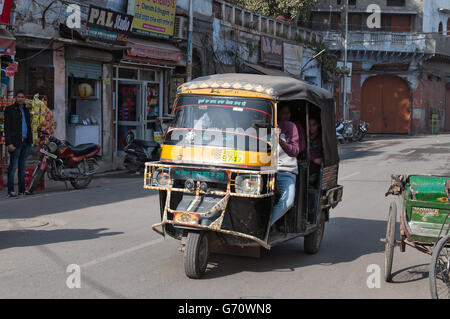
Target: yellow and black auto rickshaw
{"points": [[217, 172]]}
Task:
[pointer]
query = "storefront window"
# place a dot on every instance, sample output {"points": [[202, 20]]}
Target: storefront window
{"points": [[128, 73], [147, 75], [84, 108], [128, 102], [152, 100], [128, 113]]}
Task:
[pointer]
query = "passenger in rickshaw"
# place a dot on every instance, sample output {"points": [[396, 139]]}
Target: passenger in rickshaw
{"points": [[287, 163]]}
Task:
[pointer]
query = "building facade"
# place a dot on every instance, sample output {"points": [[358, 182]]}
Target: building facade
{"points": [[399, 58], [247, 42], [128, 55]]}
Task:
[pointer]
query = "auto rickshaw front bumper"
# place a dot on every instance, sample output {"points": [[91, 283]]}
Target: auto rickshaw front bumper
{"points": [[206, 194]]}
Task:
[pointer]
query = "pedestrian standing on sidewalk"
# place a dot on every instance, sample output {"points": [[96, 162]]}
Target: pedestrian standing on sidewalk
{"points": [[18, 138]]}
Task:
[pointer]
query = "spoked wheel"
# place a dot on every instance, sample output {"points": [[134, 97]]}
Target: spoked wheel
{"points": [[313, 241], [196, 255], [84, 181], [390, 242], [440, 270]]}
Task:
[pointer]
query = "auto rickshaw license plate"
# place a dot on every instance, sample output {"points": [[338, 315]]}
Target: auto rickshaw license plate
{"points": [[233, 157], [186, 218]]}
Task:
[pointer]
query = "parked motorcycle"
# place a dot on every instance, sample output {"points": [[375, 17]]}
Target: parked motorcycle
{"points": [[363, 127], [65, 162], [344, 131], [138, 152]]}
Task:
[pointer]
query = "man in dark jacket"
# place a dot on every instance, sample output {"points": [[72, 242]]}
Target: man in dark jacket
{"points": [[19, 137]]}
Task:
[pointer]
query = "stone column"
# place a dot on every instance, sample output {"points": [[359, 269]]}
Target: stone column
{"points": [[107, 120], [59, 64]]}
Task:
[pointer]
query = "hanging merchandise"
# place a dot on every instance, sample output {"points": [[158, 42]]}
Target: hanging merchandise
{"points": [[42, 117], [85, 91]]}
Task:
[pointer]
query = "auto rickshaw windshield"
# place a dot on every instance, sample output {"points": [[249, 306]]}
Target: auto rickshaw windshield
{"points": [[217, 120]]}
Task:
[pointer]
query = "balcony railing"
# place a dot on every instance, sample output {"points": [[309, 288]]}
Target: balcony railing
{"points": [[378, 41], [250, 21]]}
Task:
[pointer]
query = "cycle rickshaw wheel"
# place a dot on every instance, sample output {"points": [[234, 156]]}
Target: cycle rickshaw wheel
{"points": [[390, 242], [440, 270]]}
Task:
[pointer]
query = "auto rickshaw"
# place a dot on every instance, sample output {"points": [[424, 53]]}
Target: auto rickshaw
{"points": [[217, 172]]}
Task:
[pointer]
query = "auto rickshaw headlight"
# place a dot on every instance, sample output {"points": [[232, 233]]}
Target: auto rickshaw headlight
{"points": [[161, 178], [248, 184]]}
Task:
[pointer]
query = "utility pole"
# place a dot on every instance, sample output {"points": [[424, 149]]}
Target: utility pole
{"points": [[344, 103], [190, 31]]}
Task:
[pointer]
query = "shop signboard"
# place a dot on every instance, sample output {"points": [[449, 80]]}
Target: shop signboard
{"points": [[154, 17], [271, 51], [5, 11], [108, 26], [292, 58], [153, 52]]}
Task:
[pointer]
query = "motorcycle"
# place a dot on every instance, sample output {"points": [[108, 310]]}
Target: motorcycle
{"points": [[363, 127], [138, 152], [344, 131], [65, 162]]}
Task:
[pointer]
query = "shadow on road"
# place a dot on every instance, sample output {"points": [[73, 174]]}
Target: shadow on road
{"points": [[345, 240], [366, 148], [106, 190], [410, 274], [25, 238]]}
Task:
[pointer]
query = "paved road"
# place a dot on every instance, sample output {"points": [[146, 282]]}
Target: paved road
{"points": [[106, 230]]}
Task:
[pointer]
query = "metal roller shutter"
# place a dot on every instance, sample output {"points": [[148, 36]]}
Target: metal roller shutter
{"points": [[84, 69]]}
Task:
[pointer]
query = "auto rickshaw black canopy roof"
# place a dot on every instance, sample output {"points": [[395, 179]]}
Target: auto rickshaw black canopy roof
{"points": [[280, 88]]}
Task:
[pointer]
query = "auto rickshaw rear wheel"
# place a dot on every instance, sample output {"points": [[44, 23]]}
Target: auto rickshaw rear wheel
{"points": [[313, 241], [196, 254], [390, 242]]}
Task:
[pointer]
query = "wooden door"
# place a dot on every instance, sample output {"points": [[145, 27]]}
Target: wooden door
{"points": [[385, 104]]}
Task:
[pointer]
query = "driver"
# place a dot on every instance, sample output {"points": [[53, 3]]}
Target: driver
{"points": [[288, 150]]}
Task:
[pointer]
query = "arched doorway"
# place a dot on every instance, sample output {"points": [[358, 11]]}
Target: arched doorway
{"points": [[441, 28], [448, 27], [385, 104]]}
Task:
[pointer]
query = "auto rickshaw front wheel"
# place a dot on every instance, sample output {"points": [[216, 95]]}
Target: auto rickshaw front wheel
{"points": [[196, 254]]}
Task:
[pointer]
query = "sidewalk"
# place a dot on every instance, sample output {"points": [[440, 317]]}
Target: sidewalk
{"points": [[52, 186]]}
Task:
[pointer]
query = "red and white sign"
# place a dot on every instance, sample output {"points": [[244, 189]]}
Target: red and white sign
{"points": [[154, 53], [9, 73], [5, 11], [12, 68]]}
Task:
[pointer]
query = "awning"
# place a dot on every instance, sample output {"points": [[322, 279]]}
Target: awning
{"points": [[7, 43], [151, 52], [267, 71]]}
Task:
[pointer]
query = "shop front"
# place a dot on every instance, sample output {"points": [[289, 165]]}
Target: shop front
{"points": [[141, 89], [84, 95], [8, 69]]}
